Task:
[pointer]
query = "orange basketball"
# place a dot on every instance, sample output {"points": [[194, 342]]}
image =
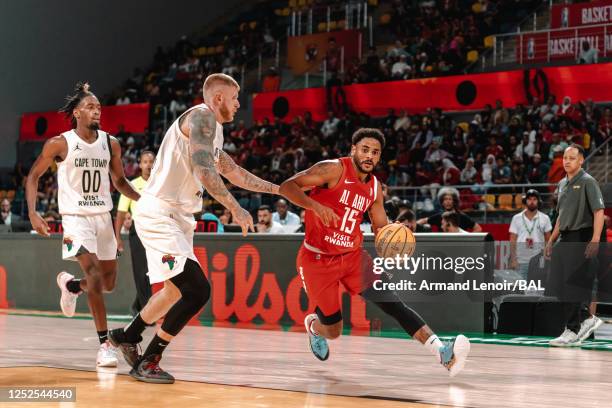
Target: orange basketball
{"points": [[394, 239]]}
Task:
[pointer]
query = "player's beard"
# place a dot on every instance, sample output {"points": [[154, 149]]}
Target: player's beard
{"points": [[532, 208], [94, 126], [225, 113], [361, 169]]}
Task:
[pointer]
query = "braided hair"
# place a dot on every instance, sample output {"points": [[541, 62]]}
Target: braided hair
{"points": [[81, 91]]}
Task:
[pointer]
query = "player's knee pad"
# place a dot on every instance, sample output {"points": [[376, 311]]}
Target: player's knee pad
{"points": [[193, 285]]}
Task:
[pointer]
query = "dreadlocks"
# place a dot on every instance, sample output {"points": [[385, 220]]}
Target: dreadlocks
{"points": [[81, 90]]}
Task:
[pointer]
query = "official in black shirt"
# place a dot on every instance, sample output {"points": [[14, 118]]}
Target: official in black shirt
{"points": [[580, 225]]}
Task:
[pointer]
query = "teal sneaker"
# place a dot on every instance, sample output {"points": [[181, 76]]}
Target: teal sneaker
{"points": [[454, 353], [317, 344]]}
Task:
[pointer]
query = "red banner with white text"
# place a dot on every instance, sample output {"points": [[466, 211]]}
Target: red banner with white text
{"points": [[581, 14], [40, 126], [455, 93], [563, 44]]}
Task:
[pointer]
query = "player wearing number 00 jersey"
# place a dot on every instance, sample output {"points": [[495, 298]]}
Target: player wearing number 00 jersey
{"points": [[85, 155], [341, 192]]}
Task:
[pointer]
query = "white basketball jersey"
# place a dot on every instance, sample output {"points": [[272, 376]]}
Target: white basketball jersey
{"points": [[172, 177], [83, 176]]}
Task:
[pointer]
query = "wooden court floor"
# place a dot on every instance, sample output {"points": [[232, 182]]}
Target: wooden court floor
{"points": [[229, 367]]}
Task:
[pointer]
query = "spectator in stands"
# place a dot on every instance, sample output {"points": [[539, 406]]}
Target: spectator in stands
{"points": [[408, 218], [6, 215], [557, 146], [525, 150], [450, 222], [588, 55], [549, 111], [537, 171], [330, 125], [529, 231], [401, 69], [265, 223], [302, 227], [500, 114], [208, 216], [469, 174], [403, 122], [123, 100], [487, 170], [493, 148], [501, 173], [518, 175], [450, 174], [177, 106], [448, 199], [332, 56], [290, 221]]}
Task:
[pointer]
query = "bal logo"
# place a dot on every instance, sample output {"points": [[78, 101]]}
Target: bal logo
{"points": [[68, 243], [169, 259]]}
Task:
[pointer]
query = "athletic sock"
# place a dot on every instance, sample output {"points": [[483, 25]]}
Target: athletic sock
{"points": [[311, 328], [156, 346], [433, 344], [74, 286], [135, 328], [103, 336]]}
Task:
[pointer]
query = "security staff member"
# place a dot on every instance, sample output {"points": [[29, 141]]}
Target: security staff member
{"points": [[580, 223], [139, 257]]}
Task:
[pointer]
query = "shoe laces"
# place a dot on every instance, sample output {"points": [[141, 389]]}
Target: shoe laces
{"points": [[153, 366]]}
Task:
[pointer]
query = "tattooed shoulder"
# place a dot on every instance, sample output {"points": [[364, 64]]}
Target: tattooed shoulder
{"points": [[202, 124]]}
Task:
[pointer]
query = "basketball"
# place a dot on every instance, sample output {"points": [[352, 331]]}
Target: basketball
{"points": [[394, 239]]}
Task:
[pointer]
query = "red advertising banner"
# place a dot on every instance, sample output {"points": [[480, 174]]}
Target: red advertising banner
{"points": [[581, 14], [40, 126], [455, 93], [306, 53], [562, 44]]}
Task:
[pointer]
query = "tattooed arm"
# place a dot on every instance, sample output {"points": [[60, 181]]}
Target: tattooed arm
{"points": [[243, 178], [202, 126]]}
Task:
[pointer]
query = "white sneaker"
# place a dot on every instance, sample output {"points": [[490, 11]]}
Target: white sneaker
{"points": [[567, 339], [588, 327], [107, 355], [68, 299]]}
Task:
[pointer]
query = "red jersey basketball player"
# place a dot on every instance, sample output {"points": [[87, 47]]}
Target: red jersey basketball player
{"points": [[342, 191]]}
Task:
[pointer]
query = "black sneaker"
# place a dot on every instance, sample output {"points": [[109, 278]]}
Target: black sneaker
{"points": [[147, 369], [128, 348]]}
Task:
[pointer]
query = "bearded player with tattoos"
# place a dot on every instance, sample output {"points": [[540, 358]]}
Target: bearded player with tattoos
{"points": [[190, 158]]}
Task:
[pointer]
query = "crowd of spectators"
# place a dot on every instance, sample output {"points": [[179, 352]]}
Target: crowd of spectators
{"points": [[433, 38], [497, 146]]}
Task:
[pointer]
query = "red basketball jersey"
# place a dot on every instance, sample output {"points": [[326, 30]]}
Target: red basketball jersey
{"points": [[349, 199]]}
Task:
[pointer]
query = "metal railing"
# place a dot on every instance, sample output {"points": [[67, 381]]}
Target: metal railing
{"points": [[605, 149]]}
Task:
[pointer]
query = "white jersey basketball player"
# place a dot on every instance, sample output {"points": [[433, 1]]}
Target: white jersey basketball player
{"points": [[85, 156], [190, 159]]}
